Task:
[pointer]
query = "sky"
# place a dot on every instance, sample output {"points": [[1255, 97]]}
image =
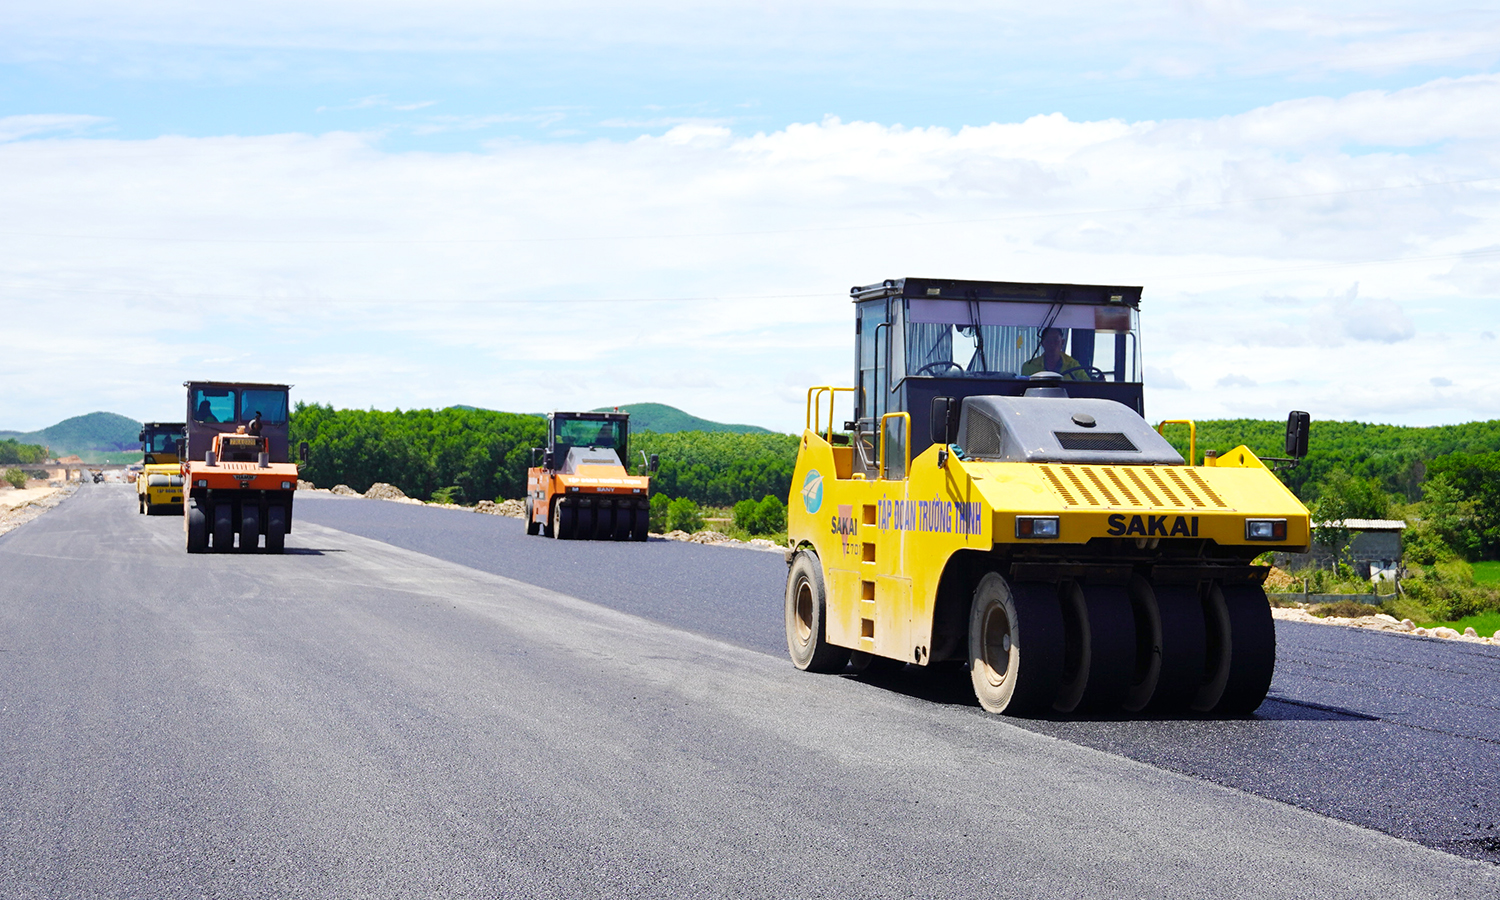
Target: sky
{"points": [[565, 205]]}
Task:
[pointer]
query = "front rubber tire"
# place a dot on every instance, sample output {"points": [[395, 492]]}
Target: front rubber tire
{"points": [[562, 521], [249, 529], [276, 529], [806, 618], [1015, 645], [1241, 657], [1169, 646], [196, 525], [223, 528], [1099, 654], [533, 527]]}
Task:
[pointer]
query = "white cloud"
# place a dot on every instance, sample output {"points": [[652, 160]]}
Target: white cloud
{"points": [[1164, 379], [516, 278], [1440, 381], [14, 128]]}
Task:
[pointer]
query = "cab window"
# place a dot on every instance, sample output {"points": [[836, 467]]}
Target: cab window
{"points": [[269, 405], [213, 405]]}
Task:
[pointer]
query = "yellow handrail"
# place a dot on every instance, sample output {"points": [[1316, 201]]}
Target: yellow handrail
{"points": [[814, 416], [1192, 436], [906, 466]]}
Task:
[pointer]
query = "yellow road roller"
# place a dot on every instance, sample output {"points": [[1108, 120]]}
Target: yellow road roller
{"points": [[998, 501]]}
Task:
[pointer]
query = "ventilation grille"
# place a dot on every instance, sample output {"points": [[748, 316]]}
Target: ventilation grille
{"points": [[1132, 487], [1095, 440], [982, 437]]}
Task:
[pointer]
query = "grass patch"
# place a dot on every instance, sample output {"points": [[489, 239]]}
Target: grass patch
{"points": [[1487, 572], [1485, 624]]}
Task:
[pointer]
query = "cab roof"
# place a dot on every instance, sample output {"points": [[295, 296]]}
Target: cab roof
{"points": [[954, 289]]}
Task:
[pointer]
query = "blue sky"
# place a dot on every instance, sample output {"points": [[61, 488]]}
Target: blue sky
{"points": [[535, 206]]}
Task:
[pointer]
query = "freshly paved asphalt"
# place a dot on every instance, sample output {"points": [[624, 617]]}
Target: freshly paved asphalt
{"points": [[354, 719], [1396, 733]]}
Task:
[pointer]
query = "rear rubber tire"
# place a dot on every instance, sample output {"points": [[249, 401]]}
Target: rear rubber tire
{"points": [[642, 527], [196, 525], [249, 529], [533, 527], [276, 529], [1099, 655], [624, 523], [1241, 650], [806, 618], [583, 523], [1015, 646], [223, 528], [141, 502]]}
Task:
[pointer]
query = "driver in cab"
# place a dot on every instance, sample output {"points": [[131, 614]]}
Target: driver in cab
{"points": [[1051, 358]]}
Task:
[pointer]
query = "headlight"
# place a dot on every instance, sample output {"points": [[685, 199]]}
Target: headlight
{"points": [[1265, 529], [202, 482], [286, 485], [1036, 527]]}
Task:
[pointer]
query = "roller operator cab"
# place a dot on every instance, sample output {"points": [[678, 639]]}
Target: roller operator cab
{"points": [[999, 502], [579, 488], [237, 466], [158, 487]]}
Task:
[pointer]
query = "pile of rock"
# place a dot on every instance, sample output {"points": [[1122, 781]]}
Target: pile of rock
{"points": [[344, 490], [514, 509], [382, 491], [1383, 622], [719, 539], [304, 485]]}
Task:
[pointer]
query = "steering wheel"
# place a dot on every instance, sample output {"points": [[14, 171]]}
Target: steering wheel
{"points": [[1093, 372], [947, 366]]}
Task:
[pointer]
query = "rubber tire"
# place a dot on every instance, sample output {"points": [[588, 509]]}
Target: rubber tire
{"points": [[1015, 645], [141, 502], [249, 529], [1241, 653], [641, 530], [624, 522], [604, 523], [276, 529], [533, 527], [1099, 654], [1169, 647], [196, 525], [223, 534], [583, 523], [562, 520], [806, 618]]}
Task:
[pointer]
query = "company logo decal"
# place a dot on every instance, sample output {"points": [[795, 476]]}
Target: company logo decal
{"points": [[936, 516], [812, 491], [1153, 526], [846, 528]]}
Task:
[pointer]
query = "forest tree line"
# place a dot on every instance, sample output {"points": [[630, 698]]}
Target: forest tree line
{"points": [[15, 453], [1445, 480]]}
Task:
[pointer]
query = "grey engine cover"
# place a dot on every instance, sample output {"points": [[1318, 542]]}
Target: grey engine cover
{"points": [[1056, 429]]}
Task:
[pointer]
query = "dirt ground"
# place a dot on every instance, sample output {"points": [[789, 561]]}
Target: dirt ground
{"points": [[17, 507]]}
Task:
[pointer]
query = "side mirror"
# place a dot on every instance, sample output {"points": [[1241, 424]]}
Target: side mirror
{"points": [[1297, 426], [548, 459], [302, 451], [655, 461], [142, 437], [181, 448], [944, 420]]}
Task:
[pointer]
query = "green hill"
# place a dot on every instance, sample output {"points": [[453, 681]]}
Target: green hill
{"points": [[663, 419], [96, 437]]}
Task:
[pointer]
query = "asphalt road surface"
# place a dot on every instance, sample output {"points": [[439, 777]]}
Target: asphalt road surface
{"points": [[360, 719]]}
